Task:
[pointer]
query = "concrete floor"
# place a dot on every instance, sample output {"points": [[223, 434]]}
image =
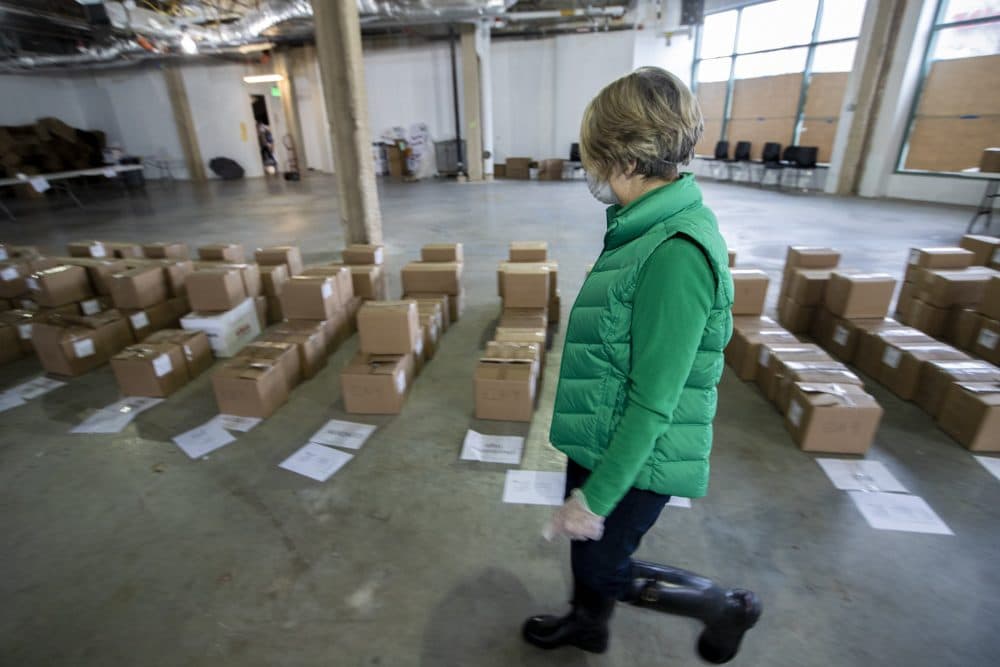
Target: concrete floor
{"points": [[121, 551]]}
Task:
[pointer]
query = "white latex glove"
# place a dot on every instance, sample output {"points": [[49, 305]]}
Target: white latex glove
{"points": [[575, 520]]}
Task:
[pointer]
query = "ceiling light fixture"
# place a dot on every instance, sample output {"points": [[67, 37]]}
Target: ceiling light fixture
{"points": [[188, 45], [263, 78]]}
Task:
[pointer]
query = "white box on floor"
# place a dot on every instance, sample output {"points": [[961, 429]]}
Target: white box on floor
{"points": [[227, 332]]}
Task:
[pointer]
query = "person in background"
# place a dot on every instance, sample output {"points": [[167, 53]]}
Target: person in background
{"points": [[642, 359], [266, 140]]}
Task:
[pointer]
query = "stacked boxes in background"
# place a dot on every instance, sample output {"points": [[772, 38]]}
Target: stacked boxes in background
{"points": [[71, 345], [437, 278], [379, 377], [366, 263], [928, 291], [803, 285], [525, 257], [223, 298], [323, 295], [750, 291], [985, 248]]}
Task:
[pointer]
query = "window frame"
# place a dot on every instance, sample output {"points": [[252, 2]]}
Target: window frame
{"points": [[937, 26]]}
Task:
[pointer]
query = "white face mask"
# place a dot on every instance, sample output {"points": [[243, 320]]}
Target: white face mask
{"points": [[602, 190]]}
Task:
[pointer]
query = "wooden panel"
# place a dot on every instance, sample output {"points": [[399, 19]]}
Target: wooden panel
{"points": [[712, 98], [819, 132], [760, 131], [767, 96], [962, 86], [826, 95], [951, 144], [713, 132]]}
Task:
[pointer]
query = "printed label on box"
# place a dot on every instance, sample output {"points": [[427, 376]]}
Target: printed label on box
{"points": [[91, 307], [32, 284], [162, 365], [795, 413], [327, 290], [39, 183], [10, 273], [378, 255], [840, 335], [3, 253], [188, 353], [988, 339], [914, 256], [84, 348], [401, 382], [109, 172], [97, 250], [765, 358], [418, 349], [139, 320], [891, 357], [24, 331]]}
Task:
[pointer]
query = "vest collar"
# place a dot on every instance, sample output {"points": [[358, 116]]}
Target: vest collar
{"points": [[626, 223]]}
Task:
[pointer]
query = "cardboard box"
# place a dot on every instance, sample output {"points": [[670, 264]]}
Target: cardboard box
{"points": [[59, 286], [526, 286], [770, 362], [904, 302], [859, 295], [99, 271], [67, 309], [524, 318], [157, 369], [932, 320], [872, 344], [551, 264], [823, 372], [364, 254], [989, 162], [971, 415], [914, 273], [803, 257], [175, 272], [529, 251], [732, 259], [388, 327], [963, 327], [124, 250], [807, 286], [369, 281], [439, 277], [376, 384], [249, 273], [145, 322], [555, 307], [941, 258], [228, 332], [456, 306], [750, 291], [22, 321], [430, 330], [795, 317], [273, 279], [194, 345], [216, 290], [250, 387], [987, 345], [937, 377], [12, 279], [982, 248], [352, 309], [902, 364], [506, 380], [944, 289], [138, 288], [989, 306], [222, 252], [550, 170], [310, 344], [72, 346], [10, 347], [833, 418], [162, 250], [537, 337], [94, 249], [284, 353], [743, 351], [343, 282], [310, 298], [518, 168], [442, 300], [288, 255], [442, 252]]}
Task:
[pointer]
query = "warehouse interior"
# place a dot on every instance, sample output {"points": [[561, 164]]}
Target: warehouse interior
{"points": [[284, 293]]}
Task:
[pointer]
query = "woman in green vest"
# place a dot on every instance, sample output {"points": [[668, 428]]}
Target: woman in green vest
{"points": [[642, 359]]}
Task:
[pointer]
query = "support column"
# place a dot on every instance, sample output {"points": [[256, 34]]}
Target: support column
{"points": [[472, 128], [338, 43], [285, 64], [185, 122], [483, 46]]}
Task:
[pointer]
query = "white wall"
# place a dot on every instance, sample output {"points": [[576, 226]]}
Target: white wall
{"points": [[675, 54], [523, 88], [28, 97], [318, 149]]}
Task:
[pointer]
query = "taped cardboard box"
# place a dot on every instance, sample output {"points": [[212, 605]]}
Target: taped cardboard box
{"points": [[770, 362], [946, 289], [68, 309], [124, 250], [941, 258], [310, 298], [987, 345], [342, 278], [518, 168], [353, 307], [283, 353], [743, 351], [175, 272], [59, 286], [194, 345], [971, 415], [832, 418], [990, 305], [859, 295], [216, 290], [529, 251], [750, 291], [368, 281], [732, 258], [249, 273], [147, 321], [823, 372], [222, 252], [442, 252], [963, 327], [438, 277], [982, 247], [388, 327], [550, 264], [12, 279], [249, 387], [430, 333], [310, 342], [914, 274], [273, 279], [524, 318], [22, 321], [95, 249], [506, 380], [166, 250], [804, 257], [150, 369], [807, 286], [904, 303], [228, 332], [550, 170], [872, 345], [377, 384], [442, 300], [363, 254], [795, 317], [10, 347], [902, 365], [99, 271], [71, 346], [938, 376], [526, 286], [537, 337], [932, 320], [288, 255], [138, 288]]}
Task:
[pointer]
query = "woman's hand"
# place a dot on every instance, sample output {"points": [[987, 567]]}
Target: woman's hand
{"points": [[575, 520]]}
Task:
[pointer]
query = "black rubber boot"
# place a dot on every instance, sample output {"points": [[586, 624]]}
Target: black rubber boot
{"points": [[727, 614], [585, 626]]}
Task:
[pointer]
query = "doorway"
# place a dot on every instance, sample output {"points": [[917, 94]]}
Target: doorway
{"points": [[265, 136]]}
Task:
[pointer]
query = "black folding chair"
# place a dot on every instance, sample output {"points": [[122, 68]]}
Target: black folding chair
{"points": [[741, 158], [804, 161], [720, 159], [771, 161]]}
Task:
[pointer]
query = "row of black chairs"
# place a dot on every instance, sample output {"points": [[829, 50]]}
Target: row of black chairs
{"points": [[797, 159]]}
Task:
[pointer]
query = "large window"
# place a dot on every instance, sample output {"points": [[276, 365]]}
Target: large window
{"points": [[956, 112], [776, 72]]}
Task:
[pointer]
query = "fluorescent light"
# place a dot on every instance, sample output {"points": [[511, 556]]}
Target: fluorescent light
{"points": [[187, 44], [263, 78]]}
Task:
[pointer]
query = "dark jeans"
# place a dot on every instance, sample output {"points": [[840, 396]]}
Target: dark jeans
{"points": [[603, 566]]}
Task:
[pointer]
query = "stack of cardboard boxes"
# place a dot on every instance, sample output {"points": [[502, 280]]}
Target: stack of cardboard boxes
{"points": [[526, 258], [985, 248], [225, 299], [437, 277], [366, 263], [803, 285], [162, 364]]}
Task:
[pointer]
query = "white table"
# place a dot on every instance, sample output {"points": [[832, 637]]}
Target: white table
{"points": [[61, 179]]}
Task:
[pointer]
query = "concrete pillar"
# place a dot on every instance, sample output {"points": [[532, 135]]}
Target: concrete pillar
{"points": [[472, 130], [286, 64], [338, 44], [485, 95], [185, 122]]}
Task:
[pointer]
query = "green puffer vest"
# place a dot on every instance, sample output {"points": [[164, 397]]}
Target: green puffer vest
{"points": [[596, 359]]}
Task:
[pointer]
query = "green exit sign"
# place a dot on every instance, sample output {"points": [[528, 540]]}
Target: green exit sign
{"points": [[275, 91]]}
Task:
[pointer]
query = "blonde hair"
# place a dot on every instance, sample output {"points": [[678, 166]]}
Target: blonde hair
{"points": [[649, 117]]}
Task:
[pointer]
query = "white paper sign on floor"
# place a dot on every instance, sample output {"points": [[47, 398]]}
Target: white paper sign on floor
{"points": [[34, 388], [336, 433], [991, 463], [677, 501], [10, 399], [492, 448], [533, 487], [134, 405], [204, 439], [860, 475], [105, 421], [316, 461], [237, 423], [896, 511]]}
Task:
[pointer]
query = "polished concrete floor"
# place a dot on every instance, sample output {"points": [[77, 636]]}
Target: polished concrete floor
{"points": [[121, 551]]}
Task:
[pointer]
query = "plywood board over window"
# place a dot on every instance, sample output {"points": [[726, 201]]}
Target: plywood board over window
{"points": [[767, 97], [712, 99], [962, 86], [759, 131], [825, 96], [950, 143], [711, 136], [819, 132]]}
